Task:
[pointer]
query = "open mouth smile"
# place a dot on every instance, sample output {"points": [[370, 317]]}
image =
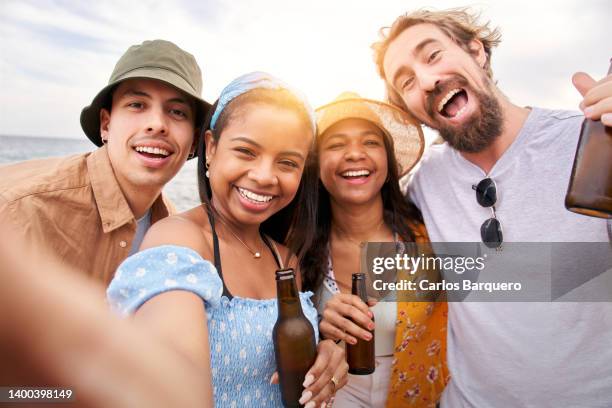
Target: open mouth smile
{"points": [[352, 174], [153, 155], [253, 197], [151, 152], [454, 104], [356, 176]]}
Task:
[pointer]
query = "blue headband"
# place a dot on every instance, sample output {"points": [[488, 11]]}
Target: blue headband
{"points": [[257, 80]]}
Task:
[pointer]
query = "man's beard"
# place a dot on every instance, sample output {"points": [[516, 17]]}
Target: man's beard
{"points": [[481, 129]]}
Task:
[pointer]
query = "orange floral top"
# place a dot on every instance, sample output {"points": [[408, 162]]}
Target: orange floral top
{"points": [[419, 371]]}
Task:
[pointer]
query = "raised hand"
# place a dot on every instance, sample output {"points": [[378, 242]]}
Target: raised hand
{"points": [[597, 102]]}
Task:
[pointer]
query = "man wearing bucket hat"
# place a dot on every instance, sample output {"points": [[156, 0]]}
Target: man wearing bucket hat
{"points": [[502, 164], [92, 210], [363, 147]]}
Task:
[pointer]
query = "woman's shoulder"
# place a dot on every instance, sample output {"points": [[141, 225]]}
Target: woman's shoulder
{"points": [[188, 229]]}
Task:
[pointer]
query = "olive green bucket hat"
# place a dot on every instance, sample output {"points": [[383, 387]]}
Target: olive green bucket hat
{"points": [[157, 59]]}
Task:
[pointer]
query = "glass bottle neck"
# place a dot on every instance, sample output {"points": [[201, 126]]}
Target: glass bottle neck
{"points": [[358, 288], [288, 298]]}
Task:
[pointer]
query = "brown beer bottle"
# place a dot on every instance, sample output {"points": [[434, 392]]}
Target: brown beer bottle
{"points": [[294, 339], [360, 357], [590, 186]]}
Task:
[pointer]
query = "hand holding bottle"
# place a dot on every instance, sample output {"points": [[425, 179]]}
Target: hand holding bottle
{"points": [[597, 102], [590, 185], [346, 318], [318, 384]]}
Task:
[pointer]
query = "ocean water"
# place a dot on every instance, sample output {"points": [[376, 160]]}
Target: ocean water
{"points": [[182, 190]]}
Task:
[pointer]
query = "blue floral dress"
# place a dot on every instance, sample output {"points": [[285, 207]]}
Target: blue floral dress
{"points": [[239, 329]]}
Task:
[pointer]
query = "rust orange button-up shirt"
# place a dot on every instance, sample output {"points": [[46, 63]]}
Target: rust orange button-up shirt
{"points": [[74, 208]]}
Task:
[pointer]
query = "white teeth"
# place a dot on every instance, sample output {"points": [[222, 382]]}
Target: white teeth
{"points": [[356, 173], [152, 150], [254, 196], [447, 98]]}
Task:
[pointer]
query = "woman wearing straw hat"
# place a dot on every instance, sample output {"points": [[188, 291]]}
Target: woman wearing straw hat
{"points": [[363, 148]]}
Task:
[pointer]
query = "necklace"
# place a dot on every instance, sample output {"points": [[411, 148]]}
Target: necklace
{"points": [[256, 254], [359, 244]]}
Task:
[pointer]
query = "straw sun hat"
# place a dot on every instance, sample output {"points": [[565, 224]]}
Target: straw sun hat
{"points": [[405, 134]]}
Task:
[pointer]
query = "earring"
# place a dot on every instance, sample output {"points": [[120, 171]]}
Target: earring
{"points": [[190, 156], [207, 174]]}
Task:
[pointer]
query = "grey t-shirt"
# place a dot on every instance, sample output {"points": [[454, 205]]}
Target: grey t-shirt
{"points": [[519, 354], [142, 226]]}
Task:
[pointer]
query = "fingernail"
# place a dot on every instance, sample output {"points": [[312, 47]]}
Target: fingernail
{"points": [[371, 314], [368, 336], [606, 119], [311, 404], [588, 111], [306, 395], [353, 341], [371, 326], [323, 404], [271, 378], [308, 380]]}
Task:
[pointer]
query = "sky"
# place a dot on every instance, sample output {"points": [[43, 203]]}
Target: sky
{"points": [[56, 55]]}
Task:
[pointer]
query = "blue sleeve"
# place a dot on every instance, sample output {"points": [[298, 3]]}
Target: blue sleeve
{"points": [[310, 311], [161, 269]]}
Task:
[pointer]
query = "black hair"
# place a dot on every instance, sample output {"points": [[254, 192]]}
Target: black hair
{"points": [[399, 213], [294, 224]]}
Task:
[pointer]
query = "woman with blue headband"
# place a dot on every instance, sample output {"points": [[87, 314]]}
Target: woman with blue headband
{"points": [[253, 172]]}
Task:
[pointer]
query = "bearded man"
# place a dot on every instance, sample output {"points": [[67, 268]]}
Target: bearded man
{"points": [[501, 164]]}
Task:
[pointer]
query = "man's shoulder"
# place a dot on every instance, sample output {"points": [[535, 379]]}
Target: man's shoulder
{"points": [[435, 160], [39, 177], [433, 167], [556, 123], [559, 115], [437, 152]]}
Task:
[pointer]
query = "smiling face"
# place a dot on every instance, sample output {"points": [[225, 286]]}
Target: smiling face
{"points": [[256, 164], [444, 86], [353, 161], [149, 133]]}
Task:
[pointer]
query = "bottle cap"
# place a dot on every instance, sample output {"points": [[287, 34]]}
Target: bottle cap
{"points": [[283, 274]]}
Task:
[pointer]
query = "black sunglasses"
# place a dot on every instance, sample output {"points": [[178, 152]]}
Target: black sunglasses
{"points": [[490, 230]]}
